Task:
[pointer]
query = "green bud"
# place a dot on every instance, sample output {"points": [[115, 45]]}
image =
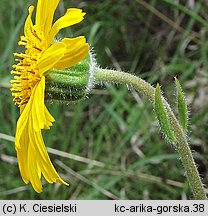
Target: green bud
{"points": [[71, 84]]}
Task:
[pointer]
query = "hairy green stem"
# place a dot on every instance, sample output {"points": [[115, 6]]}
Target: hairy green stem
{"points": [[181, 144]]}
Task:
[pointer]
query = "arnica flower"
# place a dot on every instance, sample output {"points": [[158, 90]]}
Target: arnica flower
{"points": [[42, 53]]}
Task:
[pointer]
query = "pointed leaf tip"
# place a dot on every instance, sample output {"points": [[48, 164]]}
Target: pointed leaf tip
{"points": [[162, 115], [182, 106]]}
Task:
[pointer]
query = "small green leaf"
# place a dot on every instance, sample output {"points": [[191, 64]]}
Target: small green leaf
{"points": [[182, 106], [162, 115]]}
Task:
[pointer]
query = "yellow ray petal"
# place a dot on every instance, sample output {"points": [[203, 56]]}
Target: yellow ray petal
{"points": [[71, 17], [32, 155], [22, 124], [28, 22], [51, 56], [76, 50], [44, 162], [22, 153], [41, 160], [37, 108], [44, 14], [33, 171], [49, 119], [40, 115]]}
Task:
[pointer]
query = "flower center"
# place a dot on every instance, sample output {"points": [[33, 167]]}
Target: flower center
{"points": [[26, 70]]}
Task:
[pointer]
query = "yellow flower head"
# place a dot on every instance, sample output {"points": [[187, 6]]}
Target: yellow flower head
{"points": [[42, 53]]}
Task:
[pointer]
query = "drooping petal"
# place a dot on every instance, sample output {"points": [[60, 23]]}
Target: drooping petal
{"points": [[22, 124], [51, 56], [76, 50], [44, 162], [34, 160], [40, 115], [22, 152], [72, 16], [32, 155], [49, 119], [34, 173], [44, 14]]}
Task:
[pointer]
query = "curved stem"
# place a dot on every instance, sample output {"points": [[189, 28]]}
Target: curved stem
{"points": [[105, 75]]}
